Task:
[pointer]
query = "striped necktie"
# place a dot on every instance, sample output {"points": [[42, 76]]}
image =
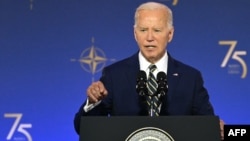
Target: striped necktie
{"points": [[152, 99]]}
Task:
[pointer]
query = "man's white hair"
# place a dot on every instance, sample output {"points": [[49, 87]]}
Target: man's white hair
{"points": [[154, 6]]}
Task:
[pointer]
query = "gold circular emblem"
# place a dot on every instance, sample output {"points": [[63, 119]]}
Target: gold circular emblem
{"points": [[149, 134]]}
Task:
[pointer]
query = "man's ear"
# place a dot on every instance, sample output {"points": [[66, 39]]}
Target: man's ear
{"points": [[170, 35], [135, 35]]}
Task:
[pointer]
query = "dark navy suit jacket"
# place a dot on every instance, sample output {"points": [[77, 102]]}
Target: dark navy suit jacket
{"points": [[186, 94]]}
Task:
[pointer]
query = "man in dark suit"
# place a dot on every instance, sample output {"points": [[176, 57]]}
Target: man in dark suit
{"points": [[115, 94]]}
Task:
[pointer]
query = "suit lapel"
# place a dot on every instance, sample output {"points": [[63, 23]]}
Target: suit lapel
{"points": [[132, 68], [173, 77], [132, 71]]}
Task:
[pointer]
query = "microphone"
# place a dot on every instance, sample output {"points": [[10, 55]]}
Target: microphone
{"points": [[162, 83], [141, 86]]}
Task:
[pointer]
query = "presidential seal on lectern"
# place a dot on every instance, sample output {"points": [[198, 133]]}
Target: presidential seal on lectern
{"points": [[149, 134]]}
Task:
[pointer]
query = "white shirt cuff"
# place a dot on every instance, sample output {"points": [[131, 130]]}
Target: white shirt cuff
{"points": [[89, 107]]}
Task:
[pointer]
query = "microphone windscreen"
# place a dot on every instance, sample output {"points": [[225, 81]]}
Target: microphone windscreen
{"points": [[141, 86], [161, 76], [141, 75]]}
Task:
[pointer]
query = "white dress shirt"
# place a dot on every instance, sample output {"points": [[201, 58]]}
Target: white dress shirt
{"points": [[161, 65]]}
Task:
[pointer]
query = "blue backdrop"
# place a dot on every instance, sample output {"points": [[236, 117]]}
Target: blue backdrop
{"points": [[50, 51]]}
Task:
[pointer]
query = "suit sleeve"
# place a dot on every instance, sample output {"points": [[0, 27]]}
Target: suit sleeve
{"points": [[103, 109], [201, 103]]}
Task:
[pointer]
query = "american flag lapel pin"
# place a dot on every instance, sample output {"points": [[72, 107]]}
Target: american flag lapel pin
{"points": [[175, 74]]}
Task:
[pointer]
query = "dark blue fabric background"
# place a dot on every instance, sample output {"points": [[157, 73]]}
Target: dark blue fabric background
{"points": [[42, 49]]}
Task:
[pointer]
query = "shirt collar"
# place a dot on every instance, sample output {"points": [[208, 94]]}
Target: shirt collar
{"points": [[161, 65]]}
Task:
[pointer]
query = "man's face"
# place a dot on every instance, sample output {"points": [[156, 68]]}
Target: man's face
{"points": [[152, 34]]}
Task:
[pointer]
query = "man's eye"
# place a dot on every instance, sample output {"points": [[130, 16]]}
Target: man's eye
{"points": [[143, 30], [157, 30]]}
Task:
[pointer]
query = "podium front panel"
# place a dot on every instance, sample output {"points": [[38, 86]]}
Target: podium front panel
{"points": [[177, 128]]}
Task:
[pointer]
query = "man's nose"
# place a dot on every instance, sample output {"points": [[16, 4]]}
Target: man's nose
{"points": [[150, 36]]}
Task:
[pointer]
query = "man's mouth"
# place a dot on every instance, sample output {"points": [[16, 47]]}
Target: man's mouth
{"points": [[150, 46]]}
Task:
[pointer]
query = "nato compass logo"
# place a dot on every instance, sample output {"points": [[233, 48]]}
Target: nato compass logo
{"points": [[174, 2], [92, 59], [149, 134], [31, 4]]}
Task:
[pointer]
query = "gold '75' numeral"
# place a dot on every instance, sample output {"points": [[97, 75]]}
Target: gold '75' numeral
{"points": [[235, 56]]}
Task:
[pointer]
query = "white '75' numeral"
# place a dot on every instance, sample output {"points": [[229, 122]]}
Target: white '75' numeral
{"points": [[21, 127]]}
